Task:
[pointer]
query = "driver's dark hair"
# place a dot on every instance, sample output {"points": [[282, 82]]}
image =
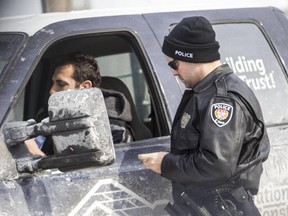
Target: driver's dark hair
{"points": [[85, 67]]}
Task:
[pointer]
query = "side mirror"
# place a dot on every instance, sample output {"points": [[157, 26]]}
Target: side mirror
{"points": [[80, 129]]}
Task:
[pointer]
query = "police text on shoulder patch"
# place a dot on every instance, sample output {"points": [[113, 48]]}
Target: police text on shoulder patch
{"points": [[221, 113]]}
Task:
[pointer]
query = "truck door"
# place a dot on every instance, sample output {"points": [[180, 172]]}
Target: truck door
{"points": [[124, 186]]}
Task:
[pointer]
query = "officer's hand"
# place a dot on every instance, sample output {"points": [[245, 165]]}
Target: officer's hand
{"points": [[153, 161]]}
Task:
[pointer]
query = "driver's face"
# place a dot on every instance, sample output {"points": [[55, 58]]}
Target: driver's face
{"points": [[63, 79]]}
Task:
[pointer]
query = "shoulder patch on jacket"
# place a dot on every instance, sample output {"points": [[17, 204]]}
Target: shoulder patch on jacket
{"points": [[185, 119], [221, 113]]}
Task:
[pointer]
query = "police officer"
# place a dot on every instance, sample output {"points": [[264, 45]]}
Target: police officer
{"points": [[218, 138]]}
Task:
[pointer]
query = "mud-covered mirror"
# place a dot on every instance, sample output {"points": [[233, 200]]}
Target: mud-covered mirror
{"points": [[79, 126]]}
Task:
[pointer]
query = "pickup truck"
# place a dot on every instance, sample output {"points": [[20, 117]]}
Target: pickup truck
{"points": [[254, 42]]}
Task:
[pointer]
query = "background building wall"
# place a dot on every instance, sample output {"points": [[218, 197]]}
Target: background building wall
{"points": [[19, 7]]}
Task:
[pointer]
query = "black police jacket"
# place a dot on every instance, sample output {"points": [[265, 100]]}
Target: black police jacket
{"points": [[218, 135]]}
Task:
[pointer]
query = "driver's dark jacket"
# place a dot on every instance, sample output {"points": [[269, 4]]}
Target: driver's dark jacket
{"points": [[218, 136]]}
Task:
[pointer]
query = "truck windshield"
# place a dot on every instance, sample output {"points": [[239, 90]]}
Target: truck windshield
{"points": [[9, 44]]}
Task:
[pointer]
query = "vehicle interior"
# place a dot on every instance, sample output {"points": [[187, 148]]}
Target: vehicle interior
{"points": [[121, 69]]}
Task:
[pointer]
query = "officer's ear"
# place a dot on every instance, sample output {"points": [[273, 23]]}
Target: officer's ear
{"points": [[86, 84]]}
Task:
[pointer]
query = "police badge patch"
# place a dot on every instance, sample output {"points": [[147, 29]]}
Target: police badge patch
{"points": [[221, 113], [185, 119]]}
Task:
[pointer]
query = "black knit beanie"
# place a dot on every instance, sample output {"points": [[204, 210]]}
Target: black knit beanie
{"points": [[192, 40]]}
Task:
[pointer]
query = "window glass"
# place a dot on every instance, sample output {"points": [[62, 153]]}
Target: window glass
{"points": [[245, 49], [18, 109], [126, 67], [9, 43], [116, 57]]}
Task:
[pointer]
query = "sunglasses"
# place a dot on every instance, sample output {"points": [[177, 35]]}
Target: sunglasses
{"points": [[173, 64]]}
